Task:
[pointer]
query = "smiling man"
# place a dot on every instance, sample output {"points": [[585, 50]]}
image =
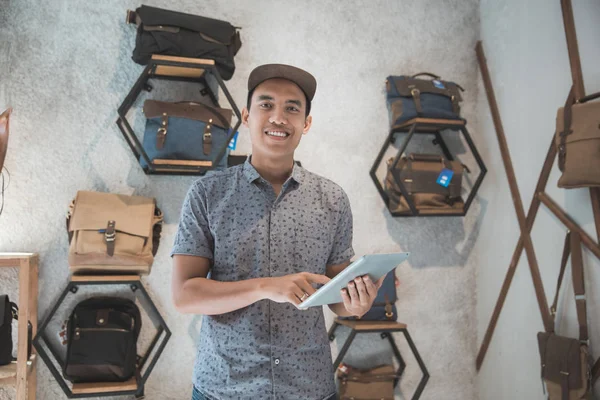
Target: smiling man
{"points": [[267, 231]]}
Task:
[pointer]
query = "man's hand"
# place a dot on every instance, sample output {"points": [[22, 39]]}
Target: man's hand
{"points": [[360, 294], [291, 288]]}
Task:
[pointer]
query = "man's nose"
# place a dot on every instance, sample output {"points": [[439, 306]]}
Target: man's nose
{"points": [[278, 117]]}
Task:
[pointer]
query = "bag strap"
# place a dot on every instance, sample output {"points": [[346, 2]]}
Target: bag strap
{"points": [[567, 116], [588, 98], [563, 266], [14, 309], [572, 247], [579, 285]]}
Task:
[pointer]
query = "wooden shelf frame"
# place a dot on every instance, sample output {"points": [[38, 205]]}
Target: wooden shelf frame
{"points": [[23, 374]]}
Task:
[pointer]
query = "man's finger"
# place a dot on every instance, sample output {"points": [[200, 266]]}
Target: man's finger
{"points": [[353, 293], [371, 287], [346, 299], [316, 278], [364, 297], [306, 287]]}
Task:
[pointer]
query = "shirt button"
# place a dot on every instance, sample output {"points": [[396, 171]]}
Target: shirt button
{"points": [[277, 361]]}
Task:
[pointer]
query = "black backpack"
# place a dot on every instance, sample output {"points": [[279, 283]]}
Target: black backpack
{"points": [[174, 33], [8, 312], [102, 335]]}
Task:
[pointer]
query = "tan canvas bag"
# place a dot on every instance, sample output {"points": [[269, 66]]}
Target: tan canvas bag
{"points": [[113, 233], [369, 384], [578, 142]]}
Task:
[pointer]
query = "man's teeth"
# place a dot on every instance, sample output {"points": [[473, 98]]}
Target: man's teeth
{"points": [[279, 134]]}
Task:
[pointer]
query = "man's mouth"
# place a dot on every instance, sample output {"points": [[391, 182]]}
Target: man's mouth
{"points": [[278, 134]]}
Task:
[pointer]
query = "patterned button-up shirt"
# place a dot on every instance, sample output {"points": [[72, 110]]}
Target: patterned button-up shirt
{"points": [[266, 350]]}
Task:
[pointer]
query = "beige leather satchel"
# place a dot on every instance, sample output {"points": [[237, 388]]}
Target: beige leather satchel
{"points": [[366, 384], [113, 233], [578, 142]]}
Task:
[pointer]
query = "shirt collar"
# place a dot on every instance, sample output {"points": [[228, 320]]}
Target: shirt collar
{"points": [[252, 174]]}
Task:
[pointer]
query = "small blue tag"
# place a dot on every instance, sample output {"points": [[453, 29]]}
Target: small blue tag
{"points": [[445, 177], [233, 143], [438, 84]]}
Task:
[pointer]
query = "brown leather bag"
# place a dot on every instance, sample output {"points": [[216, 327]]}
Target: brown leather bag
{"points": [[565, 361], [419, 173], [366, 384], [578, 142], [113, 233]]}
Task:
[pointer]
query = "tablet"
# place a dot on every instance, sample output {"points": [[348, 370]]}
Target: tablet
{"points": [[374, 265]]}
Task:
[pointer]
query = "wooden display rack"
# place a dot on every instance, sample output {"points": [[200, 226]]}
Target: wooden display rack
{"points": [[385, 329], [540, 196], [22, 374], [426, 126], [146, 363]]}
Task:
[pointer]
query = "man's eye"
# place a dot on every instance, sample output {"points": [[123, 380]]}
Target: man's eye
{"points": [[292, 109], [265, 105]]}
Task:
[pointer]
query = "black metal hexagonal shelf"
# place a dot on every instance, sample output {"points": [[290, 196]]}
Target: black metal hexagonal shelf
{"points": [[185, 70], [145, 363], [434, 127], [385, 328]]}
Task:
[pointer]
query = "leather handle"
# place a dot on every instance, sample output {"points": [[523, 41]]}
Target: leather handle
{"points": [[430, 158], [434, 76], [426, 157]]}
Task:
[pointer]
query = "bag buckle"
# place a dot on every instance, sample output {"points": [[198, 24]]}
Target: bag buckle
{"points": [[161, 134], [109, 238], [207, 139]]}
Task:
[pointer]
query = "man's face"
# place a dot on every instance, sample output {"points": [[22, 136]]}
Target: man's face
{"points": [[276, 118]]}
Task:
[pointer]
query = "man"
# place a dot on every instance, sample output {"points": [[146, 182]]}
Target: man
{"points": [[266, 231]]}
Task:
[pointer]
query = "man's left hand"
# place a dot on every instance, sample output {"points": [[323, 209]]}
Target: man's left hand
{"points": [[360, 294]]}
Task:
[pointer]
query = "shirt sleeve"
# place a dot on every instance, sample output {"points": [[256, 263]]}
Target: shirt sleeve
{"points": [[193, 235], [342, 243]]}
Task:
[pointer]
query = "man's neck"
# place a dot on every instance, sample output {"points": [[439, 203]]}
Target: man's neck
{"points": [[274, 170]]}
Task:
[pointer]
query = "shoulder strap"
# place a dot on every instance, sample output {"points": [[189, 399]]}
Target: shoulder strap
{"points": [[563, 266], [568, 113], [579, 285]]}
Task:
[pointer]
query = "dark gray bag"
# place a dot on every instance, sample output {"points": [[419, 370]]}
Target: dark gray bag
{"points": [[409, 97]]}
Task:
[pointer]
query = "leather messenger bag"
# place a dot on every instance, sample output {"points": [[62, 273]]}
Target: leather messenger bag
{"points": [[113, 233]]}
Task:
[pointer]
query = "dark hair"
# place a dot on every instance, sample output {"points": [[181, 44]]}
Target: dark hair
{"points": [[249, 100]]}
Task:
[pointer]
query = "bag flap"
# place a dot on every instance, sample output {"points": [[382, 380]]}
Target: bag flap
{"points": [[221, 31], [560, 355], [189, 109], [132, 214], [4, 307], [402, 86], [585, 122]]}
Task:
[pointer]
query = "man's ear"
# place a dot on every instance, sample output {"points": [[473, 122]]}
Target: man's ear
{"points": [[245, 115], [307, 125]]}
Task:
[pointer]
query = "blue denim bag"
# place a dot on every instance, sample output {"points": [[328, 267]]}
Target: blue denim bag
{"points": [[193, 132], [408, 97]]}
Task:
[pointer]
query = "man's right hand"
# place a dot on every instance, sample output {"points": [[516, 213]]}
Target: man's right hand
{"points": [[291, 288]]}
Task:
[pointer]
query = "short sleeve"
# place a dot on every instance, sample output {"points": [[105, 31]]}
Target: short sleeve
{"points": [[193, 235], [342, 243]]}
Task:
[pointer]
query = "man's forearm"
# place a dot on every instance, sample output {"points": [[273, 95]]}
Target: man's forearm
{"points": [[209, 297], [340, 310]]}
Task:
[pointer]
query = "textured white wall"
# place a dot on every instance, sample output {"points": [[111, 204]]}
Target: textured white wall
{"points": [[66, 67], [525, 45]]}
